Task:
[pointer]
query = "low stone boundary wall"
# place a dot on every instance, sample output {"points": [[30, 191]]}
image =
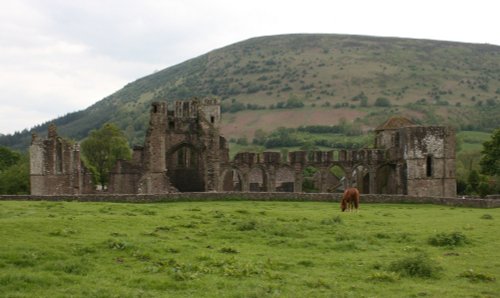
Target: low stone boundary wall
{"points": [[258, 196]]}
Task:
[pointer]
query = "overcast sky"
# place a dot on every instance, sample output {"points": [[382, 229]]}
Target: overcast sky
{"points": [[61, 56]]}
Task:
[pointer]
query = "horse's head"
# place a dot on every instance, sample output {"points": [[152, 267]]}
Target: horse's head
{"points": [[343, 205]]}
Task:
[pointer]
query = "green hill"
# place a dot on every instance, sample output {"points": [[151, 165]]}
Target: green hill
{"points": [[311, 79]]}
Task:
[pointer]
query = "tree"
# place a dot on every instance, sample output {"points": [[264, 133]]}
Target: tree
{"points": [[490, 160], [14, 172], [102, 148], [8, 158], [474, 179]]}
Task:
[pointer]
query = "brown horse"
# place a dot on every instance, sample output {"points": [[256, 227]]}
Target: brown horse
{"points": [[350, 200]]}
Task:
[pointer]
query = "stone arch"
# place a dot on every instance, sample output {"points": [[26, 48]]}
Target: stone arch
{"points": [[285, 179], [257, 179], [386, 179], [360, 178], [185, 167], [232, 180], [311, 179]]}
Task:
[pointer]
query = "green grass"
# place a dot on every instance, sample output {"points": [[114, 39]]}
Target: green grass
{"points": [[245, 249], [472, 140]]}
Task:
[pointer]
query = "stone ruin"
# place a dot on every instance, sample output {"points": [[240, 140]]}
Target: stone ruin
{"points": [[184, 152], [56, 167]]}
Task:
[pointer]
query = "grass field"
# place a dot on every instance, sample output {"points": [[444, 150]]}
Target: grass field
{"points": [[247, 249], [472, 140]]}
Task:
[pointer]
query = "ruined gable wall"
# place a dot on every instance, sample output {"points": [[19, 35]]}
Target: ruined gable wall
{"points": [[56, 168]]}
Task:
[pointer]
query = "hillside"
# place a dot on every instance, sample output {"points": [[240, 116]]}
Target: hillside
{"points": [[312, 79]]}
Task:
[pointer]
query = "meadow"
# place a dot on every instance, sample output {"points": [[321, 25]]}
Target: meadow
{"points": [[247, 249]]}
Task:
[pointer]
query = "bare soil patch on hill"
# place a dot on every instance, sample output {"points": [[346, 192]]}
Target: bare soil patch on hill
{"points": [[246, 123]]}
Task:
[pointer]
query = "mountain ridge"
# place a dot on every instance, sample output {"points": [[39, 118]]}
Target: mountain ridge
{"points": [[432, 81]]}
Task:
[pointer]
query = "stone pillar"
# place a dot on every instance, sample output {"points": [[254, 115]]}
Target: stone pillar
{"points": [[271, 179], [373, 179], [245, 180], [299, 177]]}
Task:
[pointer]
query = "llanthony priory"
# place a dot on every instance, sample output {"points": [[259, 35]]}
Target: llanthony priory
{"points": [[184, 152]]}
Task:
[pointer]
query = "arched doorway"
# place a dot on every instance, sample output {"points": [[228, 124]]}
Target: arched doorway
{"points": [[361, 179], [285, 180], [257, 180], [386, 179], [311, 181], [184, 168], [232, 180]]}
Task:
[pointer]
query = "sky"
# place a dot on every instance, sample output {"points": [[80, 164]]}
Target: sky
{"points": [[60, 56]]}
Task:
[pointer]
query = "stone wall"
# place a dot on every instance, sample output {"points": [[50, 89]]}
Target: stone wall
{"points": [[56, 167], [184, 151], [259, 196]]}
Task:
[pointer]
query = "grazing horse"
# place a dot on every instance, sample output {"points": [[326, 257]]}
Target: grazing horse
{"points": [[350, 201]]}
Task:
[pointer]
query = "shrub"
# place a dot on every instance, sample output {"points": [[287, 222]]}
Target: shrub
{"points": [[384, 276], [483, 189], [117, 244], [476, 276], [247, 226], [415, 266], [306, 263], [228, 250], [486, 216], [332, 221], [448, 239], [382, 102]]}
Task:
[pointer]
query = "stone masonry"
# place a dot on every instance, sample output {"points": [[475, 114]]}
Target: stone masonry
{"points": [[184, 152], [56, 168]]}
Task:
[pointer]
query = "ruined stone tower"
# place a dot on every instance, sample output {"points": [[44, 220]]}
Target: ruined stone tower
{"points": [[420, 159], [182, 151]]}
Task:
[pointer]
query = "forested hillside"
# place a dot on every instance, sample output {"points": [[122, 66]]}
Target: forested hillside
{"points": [[311, 80]]}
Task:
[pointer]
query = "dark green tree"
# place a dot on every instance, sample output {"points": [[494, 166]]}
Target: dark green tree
{"points": [[490, 159], [8, 158], [102, 148], [474, 179], [14, 179]]}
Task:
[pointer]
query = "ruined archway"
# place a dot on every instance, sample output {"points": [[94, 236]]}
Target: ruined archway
{"points": [[336, 179], [285, 179], [257, 179], [386, 180], [311, 181], [360, 178], [185, 168], [232, 180]]}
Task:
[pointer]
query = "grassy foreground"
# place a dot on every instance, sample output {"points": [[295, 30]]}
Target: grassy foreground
{"points": [[247, 249]]}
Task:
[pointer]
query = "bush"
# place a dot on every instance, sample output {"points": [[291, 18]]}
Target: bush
{"points": [[476, 277], [247, 226], [228, 250], [382, 102], [332, 221], [448, 239], [483, 189], [384, 276], [415, 266], [242, 141]]}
